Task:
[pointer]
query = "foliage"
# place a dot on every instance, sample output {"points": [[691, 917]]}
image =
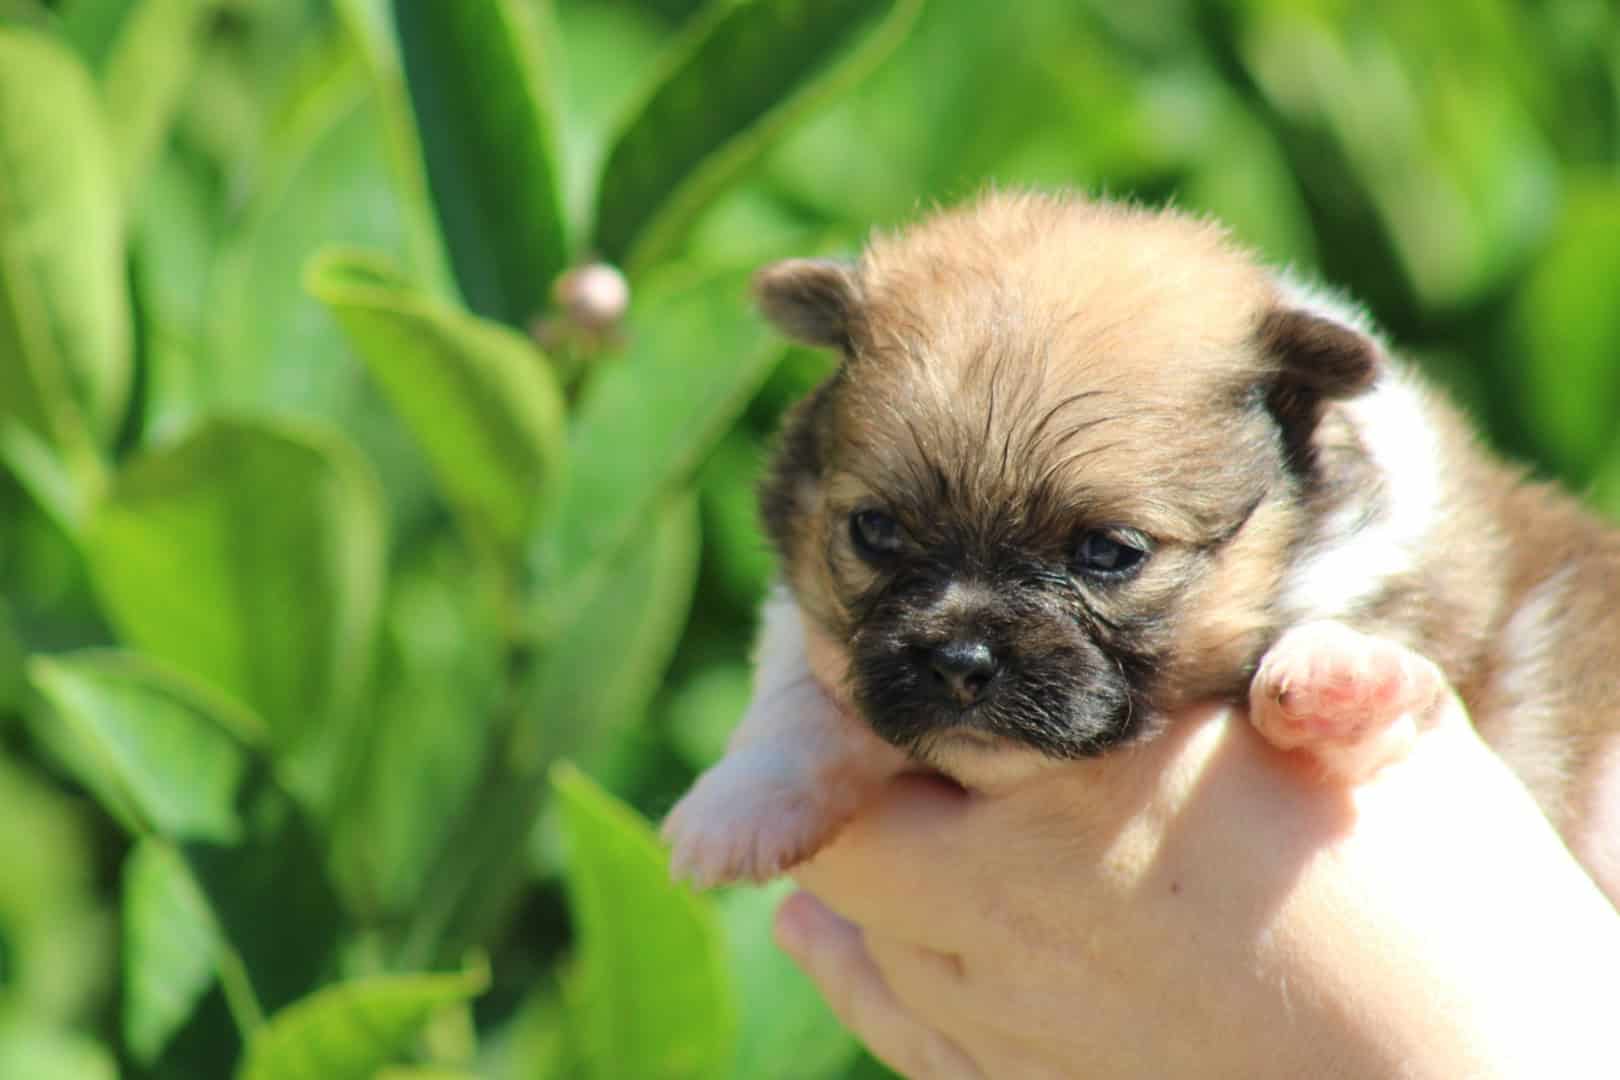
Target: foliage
{"points": [[330, 532]]}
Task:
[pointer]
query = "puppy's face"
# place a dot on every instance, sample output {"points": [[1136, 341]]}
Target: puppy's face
{"points": [[1050, 490]]}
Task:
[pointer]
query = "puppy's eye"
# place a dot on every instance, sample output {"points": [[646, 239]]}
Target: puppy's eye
{"points": [[876, 535], [1104, 555]]}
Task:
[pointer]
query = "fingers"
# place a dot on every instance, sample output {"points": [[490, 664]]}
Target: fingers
{"points": [[901, 866], [833, 954]]}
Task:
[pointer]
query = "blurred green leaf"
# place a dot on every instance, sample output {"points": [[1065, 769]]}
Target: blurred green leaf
{"points": [[482, 96], [788, 1032], [743, 73], [251, 555], [599, 674], [11, 662], [64, 305], [170, 947], [481, 399], [38, 1052], [1570, 326], [272, 348], [159, 755], [352, 1030], [647, 421], [438, 690], [92, 26], [705, 709], [56, 943], [650, 994], [148, 68]]}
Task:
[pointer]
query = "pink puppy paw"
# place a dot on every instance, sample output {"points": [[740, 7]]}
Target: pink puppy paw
{"points": [[1351, 700], [753, 816]]}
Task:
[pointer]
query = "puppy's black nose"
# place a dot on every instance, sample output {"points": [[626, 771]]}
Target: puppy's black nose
{"points": [[965, 668]]}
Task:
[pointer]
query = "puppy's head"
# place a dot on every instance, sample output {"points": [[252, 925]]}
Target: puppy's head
{"points": [[1051, 488]]}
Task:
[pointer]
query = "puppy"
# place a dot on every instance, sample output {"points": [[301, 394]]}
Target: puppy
{"points": [[1085, 464]]}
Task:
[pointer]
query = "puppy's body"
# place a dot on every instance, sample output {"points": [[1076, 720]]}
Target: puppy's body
{"points": [[1087, 464]]}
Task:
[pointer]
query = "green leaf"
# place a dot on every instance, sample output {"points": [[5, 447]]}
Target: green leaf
{"points": [[650, 994], [352, 1030], [734, 84], [39, 1052], [64, 305], [1570, 328], [159, 754], [438, 694], [597, 677], [171, 945], [486, 122], [481, 399], [788, 1032], [148, 68], [251, 554], [646, 423]]}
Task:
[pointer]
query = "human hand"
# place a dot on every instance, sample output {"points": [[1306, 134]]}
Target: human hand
{"points": [[1203, 906]]}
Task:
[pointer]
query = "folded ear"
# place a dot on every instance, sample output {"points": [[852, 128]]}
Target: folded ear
{"points": [[810, 300], [1320, 358]]}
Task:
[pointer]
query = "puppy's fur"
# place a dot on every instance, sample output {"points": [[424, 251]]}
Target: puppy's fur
{"points": [[1035, 387]]}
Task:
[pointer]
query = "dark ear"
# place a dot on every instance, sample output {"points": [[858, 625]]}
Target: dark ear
{"points": [[1318, 360], [810, 300]]}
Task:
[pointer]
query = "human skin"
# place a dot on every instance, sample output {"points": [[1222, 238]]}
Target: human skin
{"points": [[1205, 905]]}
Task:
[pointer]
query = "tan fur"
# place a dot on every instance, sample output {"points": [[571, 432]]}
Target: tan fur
{"points": [[1027, 367]]}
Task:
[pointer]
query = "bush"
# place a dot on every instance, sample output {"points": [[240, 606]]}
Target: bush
{"points": [[363, 590]]}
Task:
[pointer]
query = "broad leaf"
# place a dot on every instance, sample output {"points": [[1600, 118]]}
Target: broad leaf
{"points": [[788, 1032], [481, 399], [352, 1030], [481, 97], [600, 672], [732, 86], [64, 305], [150, 63], [159, 754], [251, 555], [647, 421], [171, 945], [650, 994]]}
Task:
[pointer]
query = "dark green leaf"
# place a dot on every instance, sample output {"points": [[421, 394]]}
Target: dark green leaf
{"points": [[648, 420], [64, 304], [485, 119], [251, 555], [650, 995], [481, 399], [733, 85], [352, 1030], [171, 945], [159, 754]]}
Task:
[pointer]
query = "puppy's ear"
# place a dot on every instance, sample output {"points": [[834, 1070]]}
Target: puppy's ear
{"points": [[811, 300], [1319, 360]]}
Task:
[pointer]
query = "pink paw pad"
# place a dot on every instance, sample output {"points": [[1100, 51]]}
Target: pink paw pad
{"points": [[1350, 699]]}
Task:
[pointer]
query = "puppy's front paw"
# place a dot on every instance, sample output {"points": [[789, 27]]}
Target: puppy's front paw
{"points": [[1353, 701], [753, 816]]}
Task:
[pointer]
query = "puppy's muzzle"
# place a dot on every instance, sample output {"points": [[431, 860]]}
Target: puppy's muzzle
{"points": [[963, 670]]}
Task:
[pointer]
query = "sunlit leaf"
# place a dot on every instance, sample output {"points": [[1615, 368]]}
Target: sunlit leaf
{"points": [[64, 306], [650, 994], [41, 1052], [481, 399], [351, 1030], [148, 67]]}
